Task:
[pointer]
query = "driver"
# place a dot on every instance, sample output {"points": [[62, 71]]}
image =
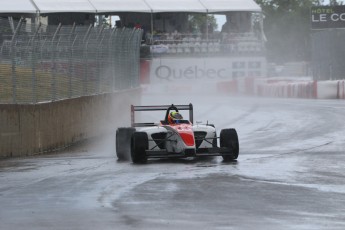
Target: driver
{"points": [[174, 117]]}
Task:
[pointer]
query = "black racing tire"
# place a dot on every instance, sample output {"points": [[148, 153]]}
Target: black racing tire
{"points": [[139, 143], [123, 143], [229, 139]]}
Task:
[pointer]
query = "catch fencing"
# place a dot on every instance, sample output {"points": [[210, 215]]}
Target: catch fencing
{"points": [[40, 63]]}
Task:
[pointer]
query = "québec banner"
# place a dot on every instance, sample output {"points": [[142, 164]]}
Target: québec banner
{"points": [[169, 70], [324, 17]]}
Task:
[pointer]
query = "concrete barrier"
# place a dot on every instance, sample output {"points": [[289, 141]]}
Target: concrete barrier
{"points": [[33, 129]]}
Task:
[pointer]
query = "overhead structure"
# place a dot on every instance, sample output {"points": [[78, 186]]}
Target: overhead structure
{"points": [[160, 6], [64, 6], [18, 6], [107, 6], [114, 6], [214, 6]]}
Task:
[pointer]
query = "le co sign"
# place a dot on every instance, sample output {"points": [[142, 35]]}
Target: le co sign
{"points": [[323, 17]]}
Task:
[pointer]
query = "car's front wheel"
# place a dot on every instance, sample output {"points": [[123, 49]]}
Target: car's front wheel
{"points": [[139, 145], [229, 139], [123, 141]]}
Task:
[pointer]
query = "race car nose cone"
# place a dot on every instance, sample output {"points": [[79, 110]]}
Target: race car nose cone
{"points": [[188, 138], [186, 133]]}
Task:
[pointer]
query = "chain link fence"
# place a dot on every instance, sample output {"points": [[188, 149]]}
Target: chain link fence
{"points": [[41, 63], [328, 54]]}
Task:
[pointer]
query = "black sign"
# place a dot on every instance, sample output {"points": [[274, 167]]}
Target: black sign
{"points": [[323, 17]]}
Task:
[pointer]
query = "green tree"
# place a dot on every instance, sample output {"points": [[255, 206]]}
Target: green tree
{"points": [[336, 2], [287, 28], [197, 23]]}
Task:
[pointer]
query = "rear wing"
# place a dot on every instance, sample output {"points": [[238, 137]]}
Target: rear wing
{"points": [[135, 108]]}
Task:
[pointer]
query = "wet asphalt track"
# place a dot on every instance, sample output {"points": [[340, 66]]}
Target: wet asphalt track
{"points": [[289, 175]]}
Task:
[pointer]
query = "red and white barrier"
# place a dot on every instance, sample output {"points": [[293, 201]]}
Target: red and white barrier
{"points": [[327, 89], [287, 88], [341, 90], [227, 87]]}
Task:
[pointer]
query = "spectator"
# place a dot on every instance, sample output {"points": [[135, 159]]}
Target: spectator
{"points": [[137, 25]]}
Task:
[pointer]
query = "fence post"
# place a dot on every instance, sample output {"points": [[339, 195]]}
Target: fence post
{"points": [[137, 58], [99, 52], [111, 59], [117, 58], [131, 53], [54, 50], [33, 64], [99, 60], [85, 59], [70, 60], [13, 60]]}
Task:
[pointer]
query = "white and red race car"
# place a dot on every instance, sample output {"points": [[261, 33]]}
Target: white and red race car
{"points": [[181, 140]]}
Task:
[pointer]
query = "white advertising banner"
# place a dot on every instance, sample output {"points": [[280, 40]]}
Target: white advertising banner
{"points": [[214, 69]]}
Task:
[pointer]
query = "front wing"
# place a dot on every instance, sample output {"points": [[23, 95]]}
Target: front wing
{"points": [[200, 152]]}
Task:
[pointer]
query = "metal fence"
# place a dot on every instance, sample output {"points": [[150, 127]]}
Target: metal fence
{"points": [[328, 54], [46, 63]]}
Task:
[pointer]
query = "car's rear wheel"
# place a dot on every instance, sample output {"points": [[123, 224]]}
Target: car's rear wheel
{"points": [[229, 139], [123, 143], [139, 143]]}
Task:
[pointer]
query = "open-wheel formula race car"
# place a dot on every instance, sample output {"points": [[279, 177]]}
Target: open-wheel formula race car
{"points": [[180, 139]]}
